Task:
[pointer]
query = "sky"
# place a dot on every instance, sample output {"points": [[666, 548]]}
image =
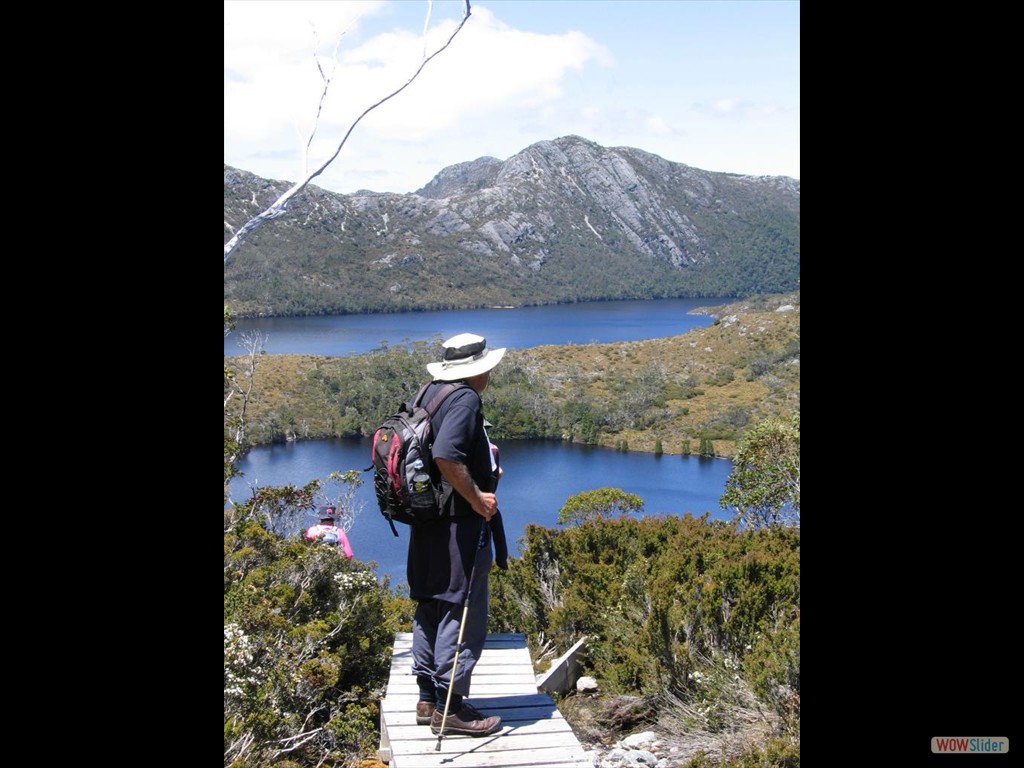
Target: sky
{"points": [[711, 84]]}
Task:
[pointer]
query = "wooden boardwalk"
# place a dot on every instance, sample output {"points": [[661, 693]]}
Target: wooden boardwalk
{"points": [[533, 731]]}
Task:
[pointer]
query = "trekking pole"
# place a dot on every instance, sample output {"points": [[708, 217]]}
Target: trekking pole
{"points": [[462, 626]]}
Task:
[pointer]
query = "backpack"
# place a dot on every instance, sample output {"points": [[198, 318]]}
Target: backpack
{"points": [[403, 470], [331, 537]]}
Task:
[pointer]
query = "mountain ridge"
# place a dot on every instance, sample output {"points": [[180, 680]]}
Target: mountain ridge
{"points": [[564, 220]]}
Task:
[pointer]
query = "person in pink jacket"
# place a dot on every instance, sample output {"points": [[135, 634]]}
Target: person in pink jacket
{"points": [[329, 532]]}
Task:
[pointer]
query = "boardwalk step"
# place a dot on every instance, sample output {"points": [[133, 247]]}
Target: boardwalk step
{"points": [[533, 731]]}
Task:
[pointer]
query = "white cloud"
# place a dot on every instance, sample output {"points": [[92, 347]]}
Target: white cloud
{"points": [[724, 105], [656, 124], [494, 91], [272, 87]]}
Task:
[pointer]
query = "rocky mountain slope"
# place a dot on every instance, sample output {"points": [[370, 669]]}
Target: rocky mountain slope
{"points": [[563, 220]]}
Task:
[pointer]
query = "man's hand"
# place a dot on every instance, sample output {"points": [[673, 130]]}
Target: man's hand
{"points": [[484, 504], [490, 506]]}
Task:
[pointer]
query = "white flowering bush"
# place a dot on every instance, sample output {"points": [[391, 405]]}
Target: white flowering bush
{"points": [[353, 583], [239, 673]]}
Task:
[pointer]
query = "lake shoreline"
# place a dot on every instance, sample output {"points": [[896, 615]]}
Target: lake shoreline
{"points": [[415, 310], [315, 438]]}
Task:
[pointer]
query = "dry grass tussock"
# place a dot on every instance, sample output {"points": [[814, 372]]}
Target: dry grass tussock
{"points": [[719, 730], [687, 730]]}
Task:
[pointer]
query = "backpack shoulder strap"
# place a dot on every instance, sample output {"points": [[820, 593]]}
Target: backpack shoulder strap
{"points": [[443, 393], [414, 403], [439, 398]]}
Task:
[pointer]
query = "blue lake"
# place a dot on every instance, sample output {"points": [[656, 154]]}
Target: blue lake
{"points": [[602, 321], [539, 477]]}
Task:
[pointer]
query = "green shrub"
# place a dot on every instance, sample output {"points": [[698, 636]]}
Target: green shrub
{"points": [[660, 599], [307, 641]]}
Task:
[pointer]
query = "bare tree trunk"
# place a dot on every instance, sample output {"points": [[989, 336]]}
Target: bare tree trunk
{"points": [[253, 343], [279, 206]]}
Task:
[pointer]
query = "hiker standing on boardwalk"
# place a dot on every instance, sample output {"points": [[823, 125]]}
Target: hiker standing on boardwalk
{"points": [[451, 558]]}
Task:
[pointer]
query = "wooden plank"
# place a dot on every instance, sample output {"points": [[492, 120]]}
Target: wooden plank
{"points": [[533, 732], [536, 705], [403, 641], [511, 727], [509, 715], [494, 661], [484, 668], [513, 737], [561, 677], [481, 682], [472, 756], [532, 699]]}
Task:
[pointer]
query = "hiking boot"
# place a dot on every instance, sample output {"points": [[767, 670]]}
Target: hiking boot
{"points": [[466, 722], [424, 712]]}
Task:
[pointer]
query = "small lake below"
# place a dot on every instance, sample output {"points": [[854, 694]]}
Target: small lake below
{"points": [[539, 477]]}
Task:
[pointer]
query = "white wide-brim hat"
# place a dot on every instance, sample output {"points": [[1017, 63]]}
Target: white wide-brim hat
{"points": [[465, 356]]}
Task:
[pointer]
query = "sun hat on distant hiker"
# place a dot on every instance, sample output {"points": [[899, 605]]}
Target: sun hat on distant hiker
{"points": [[465, 356]]}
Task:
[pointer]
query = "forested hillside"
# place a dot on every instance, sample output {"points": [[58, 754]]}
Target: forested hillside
{"points": [[693, 393]]}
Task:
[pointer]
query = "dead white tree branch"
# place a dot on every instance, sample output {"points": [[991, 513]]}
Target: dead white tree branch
{"points": [[279, 206], [323, 93], [253, 342], [239, 747], [304, 736]]}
